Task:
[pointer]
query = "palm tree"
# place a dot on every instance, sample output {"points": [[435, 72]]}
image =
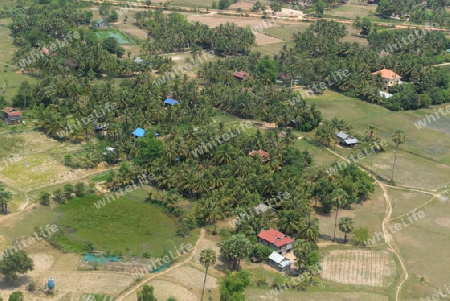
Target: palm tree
{"points": [[398, 137], [5, 198], [339, 199], [310, 228], [346, 225], [370, 136], [207, 258]]}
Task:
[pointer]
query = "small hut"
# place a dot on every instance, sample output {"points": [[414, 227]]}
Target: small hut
{"points": [[279, 262], [12, 116], [138, 132], [170, 101]]}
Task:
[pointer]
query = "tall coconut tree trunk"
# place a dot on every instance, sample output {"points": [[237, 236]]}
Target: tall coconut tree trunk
{"points": [[345, 237], [335, 223], [204, 283], [393, 165]]}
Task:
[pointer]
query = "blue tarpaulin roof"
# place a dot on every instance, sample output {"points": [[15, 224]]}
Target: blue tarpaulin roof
{"points": [[139, 132], [171, 101]]}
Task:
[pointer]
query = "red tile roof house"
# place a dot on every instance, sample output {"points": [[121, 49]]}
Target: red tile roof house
{"points": [[390, 78], [276, 240], [265, 156], [241, 75], [11, 116]]}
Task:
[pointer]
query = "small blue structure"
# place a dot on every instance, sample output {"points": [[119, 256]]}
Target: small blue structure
{"points": [[51, 284], [170, 101], [139, 132], [157, 135], [102, 24]]}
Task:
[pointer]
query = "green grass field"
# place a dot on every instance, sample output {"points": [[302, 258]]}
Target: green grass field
{"points": [[351, 11], [10, 77], [126, 223], [426, 142], [121, 38]]}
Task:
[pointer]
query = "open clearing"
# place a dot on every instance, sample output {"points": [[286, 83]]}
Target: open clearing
{"points": [[424, 245], [119, 36], [166, 289], [359, 267], [351, 11], [254, 294], [126, 223], [91, 282], [192, 278]]}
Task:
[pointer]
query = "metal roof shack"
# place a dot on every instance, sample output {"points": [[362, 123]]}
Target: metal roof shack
{"points": [[346, 139], [279, 262]]}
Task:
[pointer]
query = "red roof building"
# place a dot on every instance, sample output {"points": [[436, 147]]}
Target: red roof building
{"points": [[276, 240], [241, 74], [390, 78], [262, 154], [11, 116]]}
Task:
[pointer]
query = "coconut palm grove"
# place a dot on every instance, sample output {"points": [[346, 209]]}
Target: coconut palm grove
{"points": [[233, 150]]}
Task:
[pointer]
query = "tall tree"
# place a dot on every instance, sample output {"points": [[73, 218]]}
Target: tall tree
{"points": [[346, 225], [5, 198], [146, 294], [339, 199], [207, 258], [16, 263], [398, 137], [235, 249]]}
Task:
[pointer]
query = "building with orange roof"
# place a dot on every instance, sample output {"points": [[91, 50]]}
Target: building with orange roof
{"points": [[264, 156], [390, 78], [276, 240]]}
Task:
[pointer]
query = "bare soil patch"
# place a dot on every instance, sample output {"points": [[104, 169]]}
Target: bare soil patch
{"points": [[205, 244], [216, 20], [374, 268], [192, 278], [87, 282], [262, 39], [166, 289], [42, 262], [245, 6], [443, 221]]}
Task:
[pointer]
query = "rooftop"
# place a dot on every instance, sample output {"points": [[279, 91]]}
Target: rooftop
{"points": [[386, 73], [275, 237], [139, 132], [240, 74], [11, 111], [280, 259], [262, 154]]}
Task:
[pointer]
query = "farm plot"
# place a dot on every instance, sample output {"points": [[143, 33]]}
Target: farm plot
{"points": [[256, 294], [37, 170], [166, 289], [192, 277], [359, 267], [81, 282]]}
